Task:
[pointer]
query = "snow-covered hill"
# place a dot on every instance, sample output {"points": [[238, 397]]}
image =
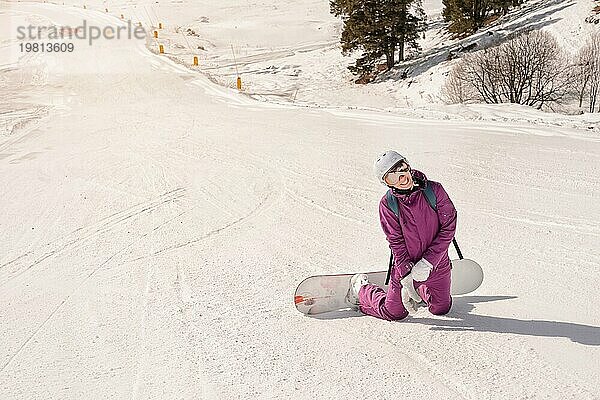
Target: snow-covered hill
{"points": [[289, 51], [154, 225]]}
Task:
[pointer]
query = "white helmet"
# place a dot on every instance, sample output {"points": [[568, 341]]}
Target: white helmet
{"points": [[385, 162]]}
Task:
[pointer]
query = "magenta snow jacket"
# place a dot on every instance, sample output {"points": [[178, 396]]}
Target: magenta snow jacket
{"points": [[419, 231]]}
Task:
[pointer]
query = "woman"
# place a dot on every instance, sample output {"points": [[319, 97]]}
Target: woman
{"points": [[419, 238]]}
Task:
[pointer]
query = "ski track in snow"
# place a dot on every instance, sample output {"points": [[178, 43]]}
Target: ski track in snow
{"points": [[25, 262], [227, 203]]}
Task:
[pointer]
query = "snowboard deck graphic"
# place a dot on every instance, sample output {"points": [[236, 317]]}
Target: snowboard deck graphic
{"points": [[324, 293]]}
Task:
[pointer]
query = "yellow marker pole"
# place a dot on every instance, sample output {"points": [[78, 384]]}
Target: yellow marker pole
{"points": [[161, 49], [155, 34], [239, 78], [190, 47]]}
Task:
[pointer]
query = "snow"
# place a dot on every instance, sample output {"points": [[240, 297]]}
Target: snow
{"points": [[290, 52], [155, 222]]}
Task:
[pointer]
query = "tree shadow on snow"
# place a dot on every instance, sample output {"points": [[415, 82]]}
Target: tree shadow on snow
{"points": [[525, 18], [463, 320]]}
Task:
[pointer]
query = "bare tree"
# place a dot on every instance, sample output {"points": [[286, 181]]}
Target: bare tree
{"points": [[474, 78], [588, 72], [529, 69], [457, 89]]}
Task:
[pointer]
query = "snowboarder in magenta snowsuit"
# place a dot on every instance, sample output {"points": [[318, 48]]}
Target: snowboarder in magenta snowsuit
{"points": [[419, 238]]}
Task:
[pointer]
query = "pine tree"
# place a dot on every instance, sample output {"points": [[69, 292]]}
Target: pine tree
{"points": [[467, 16], [379, 28]]}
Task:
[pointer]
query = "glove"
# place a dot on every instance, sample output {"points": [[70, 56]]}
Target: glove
{"points": [[408, 302], [410, 297], [420, 272]]}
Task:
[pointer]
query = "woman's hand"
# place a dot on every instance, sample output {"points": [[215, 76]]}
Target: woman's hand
{"points": [[420, 272], [410, 297]]}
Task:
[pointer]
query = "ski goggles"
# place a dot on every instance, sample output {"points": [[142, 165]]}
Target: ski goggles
{"points": [[393, 177]]}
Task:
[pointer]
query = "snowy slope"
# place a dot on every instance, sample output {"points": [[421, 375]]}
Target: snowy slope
{"points": [[154, 225], [289, 51]]}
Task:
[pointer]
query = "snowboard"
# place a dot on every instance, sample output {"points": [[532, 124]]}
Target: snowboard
{"points": [[324, 293]]}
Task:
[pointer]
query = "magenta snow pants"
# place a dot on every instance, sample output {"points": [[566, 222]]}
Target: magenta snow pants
{"points": [[435, 291]]}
